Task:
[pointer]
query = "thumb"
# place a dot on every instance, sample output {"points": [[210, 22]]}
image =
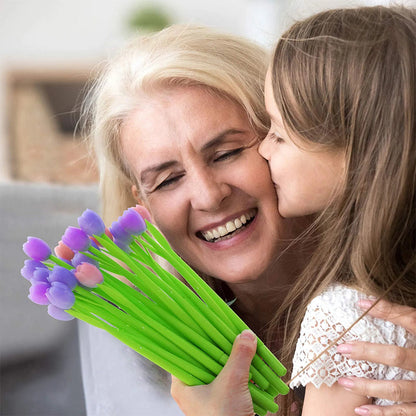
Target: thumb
{"points": [[177, 386], [239, 361]]}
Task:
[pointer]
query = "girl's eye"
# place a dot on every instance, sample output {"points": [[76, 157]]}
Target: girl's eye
{"points": [[275, 138], [227, 155], [168, 181]]}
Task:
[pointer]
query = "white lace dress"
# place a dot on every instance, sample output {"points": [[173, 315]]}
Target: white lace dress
{"points": [[327, 316]]}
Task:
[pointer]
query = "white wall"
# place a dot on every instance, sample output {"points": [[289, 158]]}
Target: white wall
{"points": [[38, 33], [59, 33]]}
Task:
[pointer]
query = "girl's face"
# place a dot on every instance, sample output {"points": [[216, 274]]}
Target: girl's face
{"points": [[195, 158], [306, 180]]}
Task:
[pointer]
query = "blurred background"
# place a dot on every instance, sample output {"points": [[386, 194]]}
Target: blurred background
{"points": [[48, 52]]}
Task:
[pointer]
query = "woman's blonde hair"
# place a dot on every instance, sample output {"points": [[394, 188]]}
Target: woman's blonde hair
{"points": [[180, 55], [346, 79]]}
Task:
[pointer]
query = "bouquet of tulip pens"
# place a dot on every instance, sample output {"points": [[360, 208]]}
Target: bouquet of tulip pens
{"points": [[109, 278]]}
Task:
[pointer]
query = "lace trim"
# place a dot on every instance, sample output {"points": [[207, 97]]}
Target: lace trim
{"points": [[327, 316]]}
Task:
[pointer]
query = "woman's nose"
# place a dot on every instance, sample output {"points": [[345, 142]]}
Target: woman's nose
{"points": [[208, 191]]}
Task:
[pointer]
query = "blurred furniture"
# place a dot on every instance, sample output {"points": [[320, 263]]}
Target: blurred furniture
{"points": [[30, 340], [44, 107]]}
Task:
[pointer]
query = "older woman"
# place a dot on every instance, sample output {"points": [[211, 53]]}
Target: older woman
{"points": [[177, 117]]}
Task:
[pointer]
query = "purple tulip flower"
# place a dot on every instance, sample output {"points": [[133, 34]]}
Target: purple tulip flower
{"points": [[29, 268], [76, 239], [62, 275], [80, 258], [93, 243], [132, 222], [121, 244], [38, 293], [37, 249], [119, 233], [91, 223], [60, 295], [40, 275], [59, 313]]}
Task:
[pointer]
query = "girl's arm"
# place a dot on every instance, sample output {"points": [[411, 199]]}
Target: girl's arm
{"points": [[329, 401]]}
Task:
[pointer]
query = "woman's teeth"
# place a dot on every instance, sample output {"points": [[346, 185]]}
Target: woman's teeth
{"points": [[226, 229]]}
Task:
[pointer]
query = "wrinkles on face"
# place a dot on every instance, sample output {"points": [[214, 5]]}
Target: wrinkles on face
{"points": [[195, 158]]}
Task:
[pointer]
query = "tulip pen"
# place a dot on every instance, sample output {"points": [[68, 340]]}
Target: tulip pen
{"points": [[110, 278]]}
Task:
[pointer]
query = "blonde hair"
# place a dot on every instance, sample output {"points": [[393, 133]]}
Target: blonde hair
{"points": [[177, 56], [346, 79]]}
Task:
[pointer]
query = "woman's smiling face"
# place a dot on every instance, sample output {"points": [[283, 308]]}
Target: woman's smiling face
{"points": [[195, 158]]}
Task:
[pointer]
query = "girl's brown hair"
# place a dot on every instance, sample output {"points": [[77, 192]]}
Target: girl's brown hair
{"points": [[346, 79]]}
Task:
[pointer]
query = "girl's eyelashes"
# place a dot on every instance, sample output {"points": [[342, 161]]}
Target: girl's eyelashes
{"points": [[275, 138]]}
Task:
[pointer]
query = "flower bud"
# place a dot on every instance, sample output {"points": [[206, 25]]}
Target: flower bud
{"points": [[91, 223], [76, 239], [94, 243], [38, 293], [119, 233], [37, 249], [132, 222], [88, 275], [60, 295], [63, 251], [121, 244], [40, 275], [65, 276], [144, 213], [82, 258], [29, 268], [108, 233], [59, 313]]}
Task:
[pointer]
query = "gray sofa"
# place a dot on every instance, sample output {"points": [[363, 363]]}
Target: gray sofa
{"points": [[40, 368]]}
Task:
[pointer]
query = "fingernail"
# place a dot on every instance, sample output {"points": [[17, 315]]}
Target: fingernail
{"points": [[249, 335], [363, 411], [347, 383], [344, 349], [365, 303], [294, 407]]}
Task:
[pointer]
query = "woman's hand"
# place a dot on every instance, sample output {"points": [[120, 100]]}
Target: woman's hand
{"points": [[399, 390], [228, 394]]}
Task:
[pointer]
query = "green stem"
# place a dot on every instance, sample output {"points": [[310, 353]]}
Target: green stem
{"points": [[161, 332], [218, 310], [146, 283], [149, 353], [60, 262]]}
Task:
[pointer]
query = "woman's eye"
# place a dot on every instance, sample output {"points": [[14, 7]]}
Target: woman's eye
{"points": [[168, 181], [227, 155]]}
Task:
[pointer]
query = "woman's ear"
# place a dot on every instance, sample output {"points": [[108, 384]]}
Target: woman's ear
{"points": [[136, 194], [145, 211]]}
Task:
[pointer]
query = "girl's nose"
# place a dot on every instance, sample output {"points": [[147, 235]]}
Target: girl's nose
{"points": [[208, 191], [264, 149]]}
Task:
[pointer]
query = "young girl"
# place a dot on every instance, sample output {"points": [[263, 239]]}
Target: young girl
{"points": [[341, 94]]}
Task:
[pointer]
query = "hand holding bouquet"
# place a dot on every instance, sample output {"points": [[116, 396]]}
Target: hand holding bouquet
{"points": [[185, 328]]}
